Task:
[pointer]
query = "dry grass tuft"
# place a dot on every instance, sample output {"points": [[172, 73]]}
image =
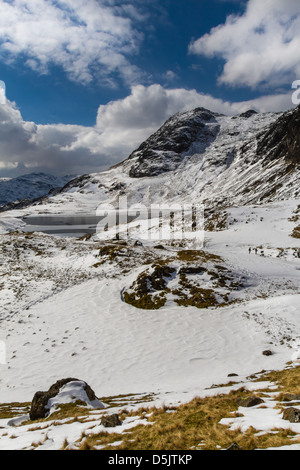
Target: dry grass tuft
{"points": [[296, 232]]}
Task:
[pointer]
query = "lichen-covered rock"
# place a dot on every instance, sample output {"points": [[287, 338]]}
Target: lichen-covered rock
{"points": [[292, 415], [111, 421], [249, 402]]}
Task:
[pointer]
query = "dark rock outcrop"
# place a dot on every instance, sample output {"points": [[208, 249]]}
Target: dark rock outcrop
{"points": [[248, 114], [164, 150], [282, 139], [192, 270], [40, 400]]}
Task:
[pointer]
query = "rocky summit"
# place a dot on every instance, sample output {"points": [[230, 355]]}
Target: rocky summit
{"points": [[165, 149], [204, 157], [198, 156]]}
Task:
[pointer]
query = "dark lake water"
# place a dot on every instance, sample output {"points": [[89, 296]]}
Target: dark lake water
{"points": [[83, 224], [74, 225], [66, 225]]}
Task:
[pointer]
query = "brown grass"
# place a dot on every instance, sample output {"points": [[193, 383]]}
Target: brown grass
{"points": [[198, 255], [196, 424], [192, 425], [296, 232], [11, 410], [288, 380]]}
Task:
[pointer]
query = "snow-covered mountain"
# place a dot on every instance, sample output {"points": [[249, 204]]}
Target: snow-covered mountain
{"points": [[31, 186], [199, 156]]}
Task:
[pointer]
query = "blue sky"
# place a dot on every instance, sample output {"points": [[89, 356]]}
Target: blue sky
{"points": [[88, 80], [167, 32]]}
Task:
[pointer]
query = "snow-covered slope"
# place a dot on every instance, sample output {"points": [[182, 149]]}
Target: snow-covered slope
{"points": [[62, 312], [31, 186]]}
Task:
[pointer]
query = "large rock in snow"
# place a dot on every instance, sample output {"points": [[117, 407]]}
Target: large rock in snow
{"points": [[63, 391], [292, 415]]}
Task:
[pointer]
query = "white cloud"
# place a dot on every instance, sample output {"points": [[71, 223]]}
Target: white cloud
{"points": [[169, 76], [143, 108], [120, 128], [260, 47], [87, 38], [2, 92]]}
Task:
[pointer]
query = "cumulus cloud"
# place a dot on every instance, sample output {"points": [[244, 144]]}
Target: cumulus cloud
{"points": [[87, 38], [259, 47], [120, 127], [144, 107]]}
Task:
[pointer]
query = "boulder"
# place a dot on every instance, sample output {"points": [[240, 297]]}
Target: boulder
{"points": [[291, 397], [292, 415], [267, 353], [234, 446], [63, 391], [249, 401], [111, 421]]}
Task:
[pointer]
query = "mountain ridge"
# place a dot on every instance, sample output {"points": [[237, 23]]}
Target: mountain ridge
{"points": [[207, 157], [202, 157], [30, 186]]}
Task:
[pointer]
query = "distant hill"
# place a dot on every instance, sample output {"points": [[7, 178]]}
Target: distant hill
{"points": [[31, 186]]}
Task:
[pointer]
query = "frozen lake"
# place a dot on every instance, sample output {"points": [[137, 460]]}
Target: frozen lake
{"points": [[83, 224], [63, 225]]}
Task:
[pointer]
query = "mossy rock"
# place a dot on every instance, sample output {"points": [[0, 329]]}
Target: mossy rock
{"points": [[200, 298], [145, 302], [146, 285]]}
